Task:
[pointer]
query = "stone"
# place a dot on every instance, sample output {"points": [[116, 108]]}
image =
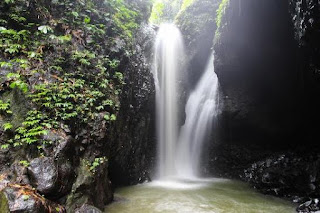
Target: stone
{"points": [[23, 199], [85, 208], [43, 174], [48, 178]]}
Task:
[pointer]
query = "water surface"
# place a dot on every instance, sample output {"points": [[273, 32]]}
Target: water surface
{"points": [[214, 196]]}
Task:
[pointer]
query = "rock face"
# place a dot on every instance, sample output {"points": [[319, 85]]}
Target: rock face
{"points": [[292, 175], [306, 22], [198, 25], [255, 56], [133, 147]]}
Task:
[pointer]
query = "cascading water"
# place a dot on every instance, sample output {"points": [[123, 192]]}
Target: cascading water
{"points": [[201, 109], [168, 54], [179, 156]]}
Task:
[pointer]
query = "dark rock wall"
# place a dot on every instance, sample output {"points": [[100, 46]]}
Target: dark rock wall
{"points": [[306, 20], [133, 139], [197, 24], [255, 60]]}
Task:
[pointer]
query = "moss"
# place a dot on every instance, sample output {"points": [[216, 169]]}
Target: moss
{"points": [[18, 105], [196, 20], [220, 12], [4, 206], [219, 18]]}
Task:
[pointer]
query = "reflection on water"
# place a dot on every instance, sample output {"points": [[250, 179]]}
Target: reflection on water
{"points": [[214, 196]]}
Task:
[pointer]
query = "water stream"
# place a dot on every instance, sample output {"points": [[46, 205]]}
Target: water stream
{"points": [[201, 111], [168, 54]]}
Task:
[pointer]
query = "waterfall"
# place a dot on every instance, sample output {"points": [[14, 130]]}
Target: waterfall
{"points": [[168, 54], [179, 154], [201, 110]]}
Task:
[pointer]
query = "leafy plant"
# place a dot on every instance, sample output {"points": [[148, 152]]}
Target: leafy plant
{"points": [[97, 162], [5, 108], [7, 126], [16, 82], [45, 29], [24, 163]]}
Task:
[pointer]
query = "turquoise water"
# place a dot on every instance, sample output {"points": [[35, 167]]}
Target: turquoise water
{"points": [[209, 196]]}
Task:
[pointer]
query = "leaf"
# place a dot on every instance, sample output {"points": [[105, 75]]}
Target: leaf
{"points": [[45, 29], [5, 146], [107, 117], [7, 126], [87, 20], [113, 117], [75, 14]]}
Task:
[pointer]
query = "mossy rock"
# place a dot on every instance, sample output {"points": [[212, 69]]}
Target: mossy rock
{"points": [[4, 206], [18, 105]]}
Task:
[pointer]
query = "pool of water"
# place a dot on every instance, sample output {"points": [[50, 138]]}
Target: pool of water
{"points": [[202, 196]]}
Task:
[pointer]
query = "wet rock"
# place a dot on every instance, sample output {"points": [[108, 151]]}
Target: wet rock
{"points": [[23, 199], [309, 206], [85, 208], [49, 177], [91, 186], [132, 138], [44, 174], [288, 175], [257, 88]]}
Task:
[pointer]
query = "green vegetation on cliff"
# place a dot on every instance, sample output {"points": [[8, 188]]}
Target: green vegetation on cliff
{"points": [[167, 11], [65, 58]]}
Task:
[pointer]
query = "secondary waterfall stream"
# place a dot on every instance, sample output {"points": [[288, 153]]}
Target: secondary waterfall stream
{"points": [[180, 154], [201, 110]]}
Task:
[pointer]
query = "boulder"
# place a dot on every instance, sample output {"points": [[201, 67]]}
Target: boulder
{"points": [[49, 177], [24, 199], [44, 174], [91, 186]]}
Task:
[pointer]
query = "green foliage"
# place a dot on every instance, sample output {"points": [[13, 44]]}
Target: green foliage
{"points": [[74, 99], [32, 130], [17, 82], [220, 12], [185, 4], [7, 126], [9, 1], [24, 163], [45, 29], [64, 62], [83, 57], [5, 108], [166, 10], [97, 162], [13, 41], [124, 18], [157, 12]]}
